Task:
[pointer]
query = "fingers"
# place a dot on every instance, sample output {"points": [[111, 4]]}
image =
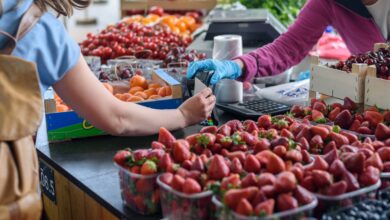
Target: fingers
{"points": [[192, 69], [205, 92], [215, 78]]}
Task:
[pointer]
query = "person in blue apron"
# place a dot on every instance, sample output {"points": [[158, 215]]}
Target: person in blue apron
{"points": [[60, 65]]}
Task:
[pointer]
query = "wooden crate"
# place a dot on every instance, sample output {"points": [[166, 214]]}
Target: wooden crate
{"points": [[336, 83], [167, 4], [377, 90]]}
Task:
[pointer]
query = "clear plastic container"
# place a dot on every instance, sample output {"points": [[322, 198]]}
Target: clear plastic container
{"points": [[301, 212], [385, 178], [139, 192], [333, 203], [178, 206]]}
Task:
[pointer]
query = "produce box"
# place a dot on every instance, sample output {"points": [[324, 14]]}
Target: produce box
{"points": [[168, 4], [337, 83], [68, 125]]}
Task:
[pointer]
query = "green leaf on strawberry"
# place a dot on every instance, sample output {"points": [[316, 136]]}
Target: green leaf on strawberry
{"points": [[321, 121], [203, 140], [336, 129], [237, 140], [262, 214], [215, 188], [292, 144]]}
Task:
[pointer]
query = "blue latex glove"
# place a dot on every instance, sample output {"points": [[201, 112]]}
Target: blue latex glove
{"points": [[222, 69]]}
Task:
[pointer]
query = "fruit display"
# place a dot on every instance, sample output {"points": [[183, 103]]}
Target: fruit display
{"points": [[380, 58], [344, 115], [366, 210]]}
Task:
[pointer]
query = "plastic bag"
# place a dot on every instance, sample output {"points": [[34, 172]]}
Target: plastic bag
{"points": [[296, 93]]}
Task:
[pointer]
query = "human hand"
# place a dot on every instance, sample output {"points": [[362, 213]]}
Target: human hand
{"points": [[198, 107]]}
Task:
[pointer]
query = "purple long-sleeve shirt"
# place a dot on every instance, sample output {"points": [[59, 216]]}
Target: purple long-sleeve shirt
{"points": [[350, 18]]}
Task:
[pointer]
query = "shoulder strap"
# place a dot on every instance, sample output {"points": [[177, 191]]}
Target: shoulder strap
{"points": [[29, 19]]}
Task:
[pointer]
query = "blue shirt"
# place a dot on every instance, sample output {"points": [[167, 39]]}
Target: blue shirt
{"points": [[47, 44]]}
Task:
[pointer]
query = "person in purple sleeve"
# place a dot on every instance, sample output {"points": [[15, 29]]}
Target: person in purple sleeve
{"points": [[361, 23]]}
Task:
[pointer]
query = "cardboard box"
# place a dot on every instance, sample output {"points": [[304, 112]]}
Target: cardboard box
{"points": [[68, 125]]}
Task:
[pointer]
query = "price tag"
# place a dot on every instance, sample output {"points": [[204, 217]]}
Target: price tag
{"points": [[47, 181]]}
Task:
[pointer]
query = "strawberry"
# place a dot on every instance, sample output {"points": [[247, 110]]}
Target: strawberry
{"points": [[244, 207], [344, 119], [226, 142], [225, 130], [318, 117], [266, 179], [314, 101], [280, 150], [297, 111], [166, 138], [336, 188], [250, 126], [237, 154], [305, 132], [218, 168], [287, 134], [258, 198], [248, 138], [187, 164], [286, 202], [269, 191], [347, 149], [298, 172], [236, 166], [367, 153], [384, 153], [375, 161], [232, 181], [304, 143], [336, 105], [139, 155], [318, 164], [249, 180], [252, 164], [166, 164], [350, 179], [329, 147], [306, 156], [308, 183], [351, 137], [177, 183], [370, 176], [148, 168], [135, 169], [262, 144], [321, 131], [166, 178], [182, 172], [285, 182], [280, 124], [317, 142], [121, 157], [209, 129], [198, 165], [377, 144], [280, 141], [356, 124], [303, 196], [155, 154], [339, 139], [233, 196], [235, 125], [194, 174], [364, 130], [321, 107], [331, 156], [206, 140], [333, 114], [386, 167], [275, 164], [355, 162], [191, 186], [139, 203], [382, 132], [321, 178], [144, 185], [158, 145], [349, 104], [216, 148], [294, 156], [264, 121], [181, 151], [373, 117], [265, 208]]}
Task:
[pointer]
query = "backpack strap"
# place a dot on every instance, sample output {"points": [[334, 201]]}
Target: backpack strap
{"points": [[29, 19]]}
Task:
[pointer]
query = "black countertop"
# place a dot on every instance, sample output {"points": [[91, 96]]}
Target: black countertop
{"points": [[87, 163]]}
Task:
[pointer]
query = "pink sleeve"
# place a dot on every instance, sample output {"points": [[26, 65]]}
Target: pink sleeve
{"points": [[291, 47]]}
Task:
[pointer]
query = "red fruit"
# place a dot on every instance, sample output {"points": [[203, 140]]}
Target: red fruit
{"points": [[187, 164], [373, 117], [244, 207], [166, 178], [156, 10], [144, 185], [321, 178], [356, 124], [318, 164], [250, 126], [264, 121], [339, 139], [198, 165], [331, 156], [317, 142], [155, 154], [235, 125], [252, 164], [297, 111], [280, 150], [344, 119], [349, 104], [321, 107], [194, 174], [181, 151], [266, 179], [148, 168], [259, 198], [352, 183], [285, 182], [177, 183], [347, 149], [304, 143], [302, 195], [375, 161], [305, 132], [308, 183], [135, 169], [294, 156], [209, 129], [233, 196], [269, 191], [280, 141], [306, 156], [232, 181], [182, 172], [286, 202], [384, 153], [333, 114], [158, 145], [237, 154], [286, 133], [192, 139], [249, 180], [121, 157], [355, 162], [225, 130], [166, 138], [382, 132], [386, 167], [329, 147], [370, 176], [262, 144], [191, 186], [337, 188], [364, 130], [206, 140], [275, 164], [265, 208], [248, 138], [139, 155], [321, 131], [317, 116], [298, 172], [218, 168], [236, 166]]}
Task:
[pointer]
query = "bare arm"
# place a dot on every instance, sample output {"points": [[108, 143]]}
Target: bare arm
{"points": [[83, 92]]}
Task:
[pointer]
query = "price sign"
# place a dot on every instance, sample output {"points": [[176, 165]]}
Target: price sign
{"points": [[47, 181]]}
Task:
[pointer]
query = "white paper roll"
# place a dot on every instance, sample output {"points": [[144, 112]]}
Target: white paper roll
{"points": [[227, 47]]}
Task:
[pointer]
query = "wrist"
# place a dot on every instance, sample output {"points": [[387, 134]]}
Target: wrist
{"points": [[182, 117]]}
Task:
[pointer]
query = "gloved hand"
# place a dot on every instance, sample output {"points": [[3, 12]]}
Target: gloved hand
{"points": [[222, 69]]}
